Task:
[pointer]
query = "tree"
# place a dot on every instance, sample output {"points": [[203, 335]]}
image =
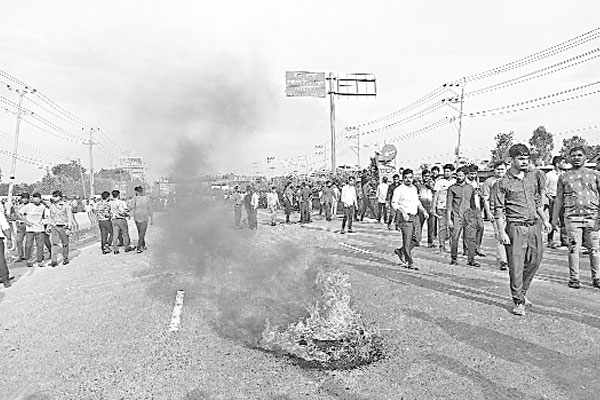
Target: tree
{"points": [[569, 143], [503, 143], [542, 144], [72, 170]]}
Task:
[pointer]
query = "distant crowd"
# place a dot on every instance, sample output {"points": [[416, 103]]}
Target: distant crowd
{"points": [[450, 204], [47, 224]]}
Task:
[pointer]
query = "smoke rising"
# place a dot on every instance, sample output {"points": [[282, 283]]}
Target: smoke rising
{"points": [[197, 123]]}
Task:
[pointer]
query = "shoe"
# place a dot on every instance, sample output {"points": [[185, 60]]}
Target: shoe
{"points": [[389, 227], [116, 252], [480, 254], [398, 252], [29, 264], [7, 283], [342, 231], [552, 246], [503, 266], [453, 261], [65, 261], [413, 267], [473, 264], [20, 259], [350, 231], [596, 283], [273, 224], [519, 309], [105, 251], [574, 285], [139, 251], [128, 249], [40, 264], [54, 264], [527, 302]]}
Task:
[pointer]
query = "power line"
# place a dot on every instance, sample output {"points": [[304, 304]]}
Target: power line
{"points": [[539, 73]]}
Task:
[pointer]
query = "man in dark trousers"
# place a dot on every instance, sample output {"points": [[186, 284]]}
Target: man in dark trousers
{"points": [[104, 222], [460, 214], [236, 201], [519, 213], [392, 217], [306, 197]]}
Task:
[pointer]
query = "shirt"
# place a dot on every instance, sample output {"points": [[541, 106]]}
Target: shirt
{"points": [[519, 198], [272, 200], [426, 197], [382, 190], [141, 208], [580, 191], [328, 194], [349, 196], [61, 213], [486, 188], [103, 210], [441, 188], [406, 198], [391, 189], [4, 225], [118, 208], [306, 193], [34, 215], [552, 182], [236, 199], [477, 199], [254, 201], [460, 197]]}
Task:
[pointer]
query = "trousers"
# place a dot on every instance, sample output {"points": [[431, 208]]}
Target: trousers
{"points": [[579, 234], [59, 236], [465, 223], [524, 255], [120, 227], [106, 229]]}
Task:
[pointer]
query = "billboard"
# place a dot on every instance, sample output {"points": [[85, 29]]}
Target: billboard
{"points": [[305, 84], [134, 166]]}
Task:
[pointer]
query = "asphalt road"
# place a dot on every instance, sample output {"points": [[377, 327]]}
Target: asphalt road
{"points": [[99, 328]]}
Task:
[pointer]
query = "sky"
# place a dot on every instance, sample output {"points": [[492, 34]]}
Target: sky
{"points": [[156, 75]]}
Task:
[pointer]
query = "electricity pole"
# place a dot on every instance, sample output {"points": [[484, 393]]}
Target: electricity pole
{"points": [[460, 115], [13, 165], [91, 144], [332, 93], [81, 175]]}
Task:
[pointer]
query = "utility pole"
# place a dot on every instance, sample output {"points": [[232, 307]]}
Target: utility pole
{"points": [[332, 93], [91, 144], [13, 165], [357, 146], [460, 115], [81, 175]]}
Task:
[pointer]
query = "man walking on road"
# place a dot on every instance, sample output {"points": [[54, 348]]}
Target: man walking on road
{"points": [[288, 202], [350, 203], [142, 214], [407, 205], [390, 193], [473, 181], [578, 191], [273, 204], [551, 188], [381, 194], [306, 198], [487, 190], [21, 227], [328, 196], [519, 216], [119, 211], [104, 223], [5, 236], [460, 214], [236, 201], [440, 190], [60, 224], [33, 215]]}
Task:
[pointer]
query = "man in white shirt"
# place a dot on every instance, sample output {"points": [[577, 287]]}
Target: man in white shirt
{"points": [[381, 195], [5, 236], [251, 210], [406, 203], [487, 190], [439, 204], [273, 204], [120, 212], [33, 215], [350, 204]]}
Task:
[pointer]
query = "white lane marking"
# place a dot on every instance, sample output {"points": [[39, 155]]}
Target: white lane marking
{"points": [[355, 248], [176, 316]]}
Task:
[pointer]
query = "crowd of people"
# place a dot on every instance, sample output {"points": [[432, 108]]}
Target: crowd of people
{"points": [[33, 222], [521, 202]]}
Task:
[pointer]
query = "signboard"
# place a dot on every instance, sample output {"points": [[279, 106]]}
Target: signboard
{"points": [[386, 170], [134, 166], [388, 153], [305, 84]]}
